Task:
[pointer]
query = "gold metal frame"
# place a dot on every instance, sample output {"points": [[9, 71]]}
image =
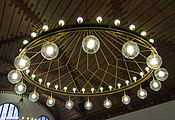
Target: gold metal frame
{"points": [[104, 33]]}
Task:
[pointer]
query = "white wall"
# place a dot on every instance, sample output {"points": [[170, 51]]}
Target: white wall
{"points": [[35, 109], [165, 111]]}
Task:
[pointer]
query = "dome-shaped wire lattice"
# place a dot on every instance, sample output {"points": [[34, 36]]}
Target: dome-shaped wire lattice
{"points": [[75, 69]]}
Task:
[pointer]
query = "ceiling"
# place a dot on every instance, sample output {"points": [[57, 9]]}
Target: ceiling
{"points": [[18, 18]]}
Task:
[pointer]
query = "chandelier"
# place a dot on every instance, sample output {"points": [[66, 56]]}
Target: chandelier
{"points": [[87, 60]]}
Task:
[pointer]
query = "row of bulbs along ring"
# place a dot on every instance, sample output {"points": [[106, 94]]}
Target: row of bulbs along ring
{"points": [[90, 45]]}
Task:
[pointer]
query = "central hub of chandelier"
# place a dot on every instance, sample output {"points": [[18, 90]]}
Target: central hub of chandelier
{"points": [[88, 60]]}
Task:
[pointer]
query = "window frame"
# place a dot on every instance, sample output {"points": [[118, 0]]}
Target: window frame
{"points": [[9, 103], [46, 118]]}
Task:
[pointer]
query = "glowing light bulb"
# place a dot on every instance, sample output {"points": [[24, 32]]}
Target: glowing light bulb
{"points": [[154, 61], [143, 33], [22, 62], [56, 86], [161, 74], [91, 44], [99, 19], [50, 50], [107, 103], [45, 27], [117, 22], [33, 34], [155, 85], [27, 71], [61, 22], [50, 101], [151, 40], [147, 68], [132, 27], [14, 76], [126, 99], [69, 104], [142, 93], [79, 19], [130, 49], [92, 89], [33, 96], [20, 87], [40, 80], [25, 42]]}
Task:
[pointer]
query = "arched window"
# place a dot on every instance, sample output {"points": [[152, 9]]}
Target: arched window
{"points": [[43, 118], [9, 111]]}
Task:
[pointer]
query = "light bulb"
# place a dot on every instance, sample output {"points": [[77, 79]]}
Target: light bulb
{"points": [[61, 22], [99, 19], [33, 96], [107, 103], [91, 44], [143, 33], [33, 34], [79, 19], [49, 50], [33, 76], [126, 99], [88, 105], [161, 74], [155, 85], [56, 86], [147, 68], [151, 40], [69, 104], [142, 93], [45, 27], [130, 50], [154, 61], [40, 80], [65, 88], [27, 71], [25, 42], [132, 27], [119, 85], [117, 22], [92, 89], [50, 102], [22, 62], [20, 88], [14, 76]]}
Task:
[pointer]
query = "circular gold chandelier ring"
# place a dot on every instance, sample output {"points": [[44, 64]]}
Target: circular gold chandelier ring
{"points": [[84, 27]]}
